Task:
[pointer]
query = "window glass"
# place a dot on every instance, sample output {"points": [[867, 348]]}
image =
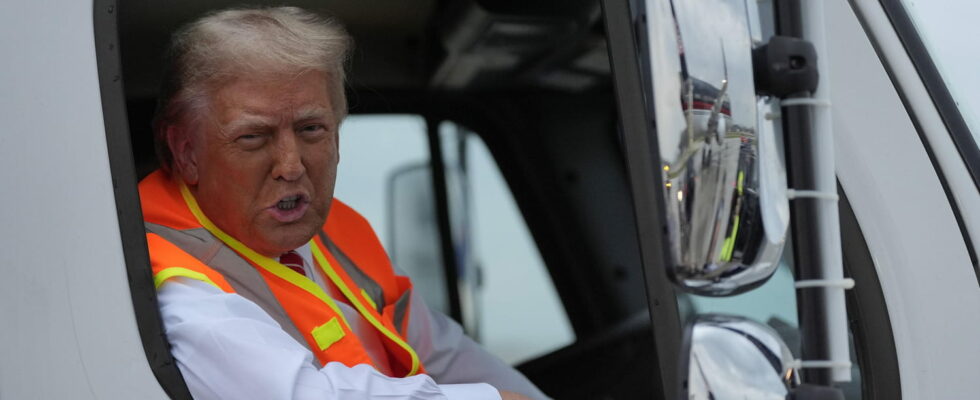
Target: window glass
{"points": [[373, 147], [522, 316], [381, 155], [508, 300], [949, 30], [773, 303]]}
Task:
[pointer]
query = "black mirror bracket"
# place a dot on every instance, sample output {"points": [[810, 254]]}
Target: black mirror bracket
{"points": [[785, 66]]}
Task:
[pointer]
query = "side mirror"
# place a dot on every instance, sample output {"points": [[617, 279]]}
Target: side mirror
{"points": [[724, 181], [414, 241], [727, 357], [416, 245]]}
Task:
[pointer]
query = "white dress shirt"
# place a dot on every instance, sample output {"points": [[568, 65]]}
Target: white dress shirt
{"points": [[227, 347]]}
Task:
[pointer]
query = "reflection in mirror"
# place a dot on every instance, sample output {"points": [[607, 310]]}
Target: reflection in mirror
{"points": [[735, 358], [724, 182]]}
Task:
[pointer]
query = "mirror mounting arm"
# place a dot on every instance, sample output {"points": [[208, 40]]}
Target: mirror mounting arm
{"points": [[785, 66]]}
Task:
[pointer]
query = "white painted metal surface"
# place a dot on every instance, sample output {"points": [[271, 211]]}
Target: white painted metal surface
{"points": [[68, 330], [921, 259], [957, 176]]}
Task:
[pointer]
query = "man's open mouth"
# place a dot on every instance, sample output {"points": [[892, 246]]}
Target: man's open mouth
{"points": [[289, 203], [290, 208]]}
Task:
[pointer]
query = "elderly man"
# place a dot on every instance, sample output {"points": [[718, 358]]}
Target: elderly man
{"points": [[270, 288]]}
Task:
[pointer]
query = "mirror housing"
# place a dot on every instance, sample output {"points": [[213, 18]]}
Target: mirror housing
{"points": [[727, 357], [414, 240], [725, 202]]}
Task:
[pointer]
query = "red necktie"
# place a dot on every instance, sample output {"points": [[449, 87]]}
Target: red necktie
{"points": [[294, 261]]}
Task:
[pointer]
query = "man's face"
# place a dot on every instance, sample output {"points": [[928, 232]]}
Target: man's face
{"points": [[263, 163]]}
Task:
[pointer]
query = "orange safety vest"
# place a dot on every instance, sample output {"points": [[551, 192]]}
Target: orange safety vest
{"points": [[177, 230]]}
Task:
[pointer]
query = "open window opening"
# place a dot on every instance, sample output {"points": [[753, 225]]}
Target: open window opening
{"points": [[563, 55]]}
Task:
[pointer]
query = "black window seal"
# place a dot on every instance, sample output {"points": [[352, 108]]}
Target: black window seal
{"points": [[625, 24], [867, 312], [959, 131], [128, 211], [944, 105], [440, 191]]}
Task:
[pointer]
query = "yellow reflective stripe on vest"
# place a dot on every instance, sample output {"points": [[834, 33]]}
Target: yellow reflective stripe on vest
{"points": [[328, 333], [172, 272], [728, 246], [268, 264], [367, 298], [328, 269]]}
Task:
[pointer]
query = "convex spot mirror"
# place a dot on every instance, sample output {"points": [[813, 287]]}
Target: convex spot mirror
{"points": [[724, 181], [729, 357]]}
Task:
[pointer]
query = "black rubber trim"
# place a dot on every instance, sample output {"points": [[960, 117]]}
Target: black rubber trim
{"points": [[449, 258], [867, 313], [948, 110], [806, 255], [625, 32], [684, 362], [925, 142], [128, 210]]}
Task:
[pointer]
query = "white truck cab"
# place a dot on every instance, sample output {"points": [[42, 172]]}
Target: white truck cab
{"points": [[544, 229]]}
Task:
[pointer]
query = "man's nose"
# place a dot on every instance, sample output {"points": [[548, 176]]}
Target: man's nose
{"points": [[288, 157]]}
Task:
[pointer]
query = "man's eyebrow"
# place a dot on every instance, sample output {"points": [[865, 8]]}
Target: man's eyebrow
{"points": [[311, 113], [248, 120]]}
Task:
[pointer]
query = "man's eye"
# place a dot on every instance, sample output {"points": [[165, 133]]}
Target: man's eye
{"points": [[250, 139], [313, 129]]}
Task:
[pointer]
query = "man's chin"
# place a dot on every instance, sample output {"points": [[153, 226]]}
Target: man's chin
{"points": [[283, 240]]}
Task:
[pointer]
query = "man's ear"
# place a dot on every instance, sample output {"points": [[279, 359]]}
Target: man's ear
{"points": [[184, 154]]}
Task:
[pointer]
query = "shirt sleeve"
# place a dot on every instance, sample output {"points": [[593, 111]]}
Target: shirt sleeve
{"points": [[228, 348], [450, 356]]}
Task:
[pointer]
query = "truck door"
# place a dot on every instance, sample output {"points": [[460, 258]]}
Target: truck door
{"points": [[776, 303]]}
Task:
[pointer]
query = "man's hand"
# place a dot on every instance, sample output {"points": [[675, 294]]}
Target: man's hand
{"points": [[505, 395]]}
